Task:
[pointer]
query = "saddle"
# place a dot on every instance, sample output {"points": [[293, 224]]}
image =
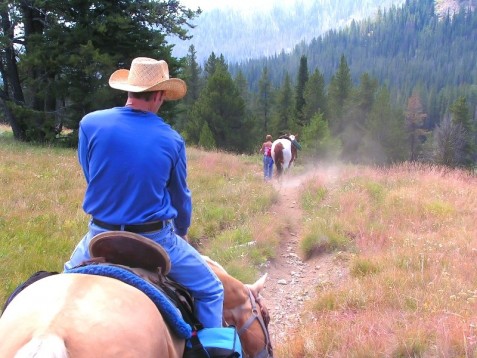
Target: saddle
{"points": [[131, 250], [146, 259], [292, 140], [150, 261]]}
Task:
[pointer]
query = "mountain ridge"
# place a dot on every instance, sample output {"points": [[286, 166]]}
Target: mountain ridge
{"points": [[240, 35]]}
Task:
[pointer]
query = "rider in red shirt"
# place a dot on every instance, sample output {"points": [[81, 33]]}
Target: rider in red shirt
{"points": [[267, 157]]}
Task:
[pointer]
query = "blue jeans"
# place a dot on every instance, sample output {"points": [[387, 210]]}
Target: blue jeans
{"points": [[187, 268], [267, 167]]}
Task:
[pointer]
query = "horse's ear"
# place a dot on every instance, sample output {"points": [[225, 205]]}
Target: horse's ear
{"points": [[257, 287]]}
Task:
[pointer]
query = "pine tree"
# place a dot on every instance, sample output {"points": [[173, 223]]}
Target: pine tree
{"points": [[384, 141], [315, 97], [355, 117], [284, 116], [366, 92], [300, 89], [339, 92], [415, 118], [209, 67], [212, 62], [221, 107], [241, 83], [192, 76], [264, 101], [317, 140], [449, 143], [193, 126], [70, 48], [460, 115], [192, 73], [206, 139]]}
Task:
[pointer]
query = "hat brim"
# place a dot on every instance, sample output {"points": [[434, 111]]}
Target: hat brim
{"points": [[174, 88], [130, 249]]}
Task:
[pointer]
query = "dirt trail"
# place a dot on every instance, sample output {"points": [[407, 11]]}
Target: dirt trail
{"points": [[291, 280]]}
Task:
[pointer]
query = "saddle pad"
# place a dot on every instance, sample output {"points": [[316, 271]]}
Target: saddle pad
{"points": [[170, 313]]}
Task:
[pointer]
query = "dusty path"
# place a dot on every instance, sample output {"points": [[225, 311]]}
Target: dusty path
{"points": [[291, 280]]}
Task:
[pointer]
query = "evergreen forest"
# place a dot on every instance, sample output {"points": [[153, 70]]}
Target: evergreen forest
{"points": [[271, 26], [398, 87]]}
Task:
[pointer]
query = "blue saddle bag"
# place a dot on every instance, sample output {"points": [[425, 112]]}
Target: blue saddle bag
{"points": [[221, 342]]}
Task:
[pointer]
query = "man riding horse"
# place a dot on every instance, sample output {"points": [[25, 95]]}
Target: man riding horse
{"points": [[136, 174]]}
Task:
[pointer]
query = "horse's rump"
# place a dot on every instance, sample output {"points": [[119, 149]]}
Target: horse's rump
{"points": [[87, 312], [94, 316], [282, 154], [278, 156]]}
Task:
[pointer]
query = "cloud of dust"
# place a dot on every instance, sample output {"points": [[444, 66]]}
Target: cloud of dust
{"points": [[316, 171]]}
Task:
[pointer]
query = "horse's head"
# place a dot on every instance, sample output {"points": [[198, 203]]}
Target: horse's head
{"points": [[256, 338], [244, 308], [251, 318]]}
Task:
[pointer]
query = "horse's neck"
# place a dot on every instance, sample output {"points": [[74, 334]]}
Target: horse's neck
{"points": [[235, 299], [235, 294]]}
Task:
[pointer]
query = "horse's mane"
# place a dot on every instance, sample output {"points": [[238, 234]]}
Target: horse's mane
{"points": [[214, 263]]}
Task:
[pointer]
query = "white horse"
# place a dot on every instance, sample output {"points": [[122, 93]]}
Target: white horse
{"points": [[284, 153]]}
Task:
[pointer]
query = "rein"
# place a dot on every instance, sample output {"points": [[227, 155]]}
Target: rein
{"points": [[267, 351]]}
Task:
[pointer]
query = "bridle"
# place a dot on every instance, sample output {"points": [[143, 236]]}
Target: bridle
{"points": [[267, 351]]}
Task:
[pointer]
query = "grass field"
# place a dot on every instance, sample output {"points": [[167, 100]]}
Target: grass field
{"points": [[42, 218], [407, 235]]}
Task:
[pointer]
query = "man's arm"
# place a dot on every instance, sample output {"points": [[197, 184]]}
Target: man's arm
{"points": [[180, 195], [83, 153]]}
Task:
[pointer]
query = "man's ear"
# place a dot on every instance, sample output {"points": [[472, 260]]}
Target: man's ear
{"points": [[161, 95]]}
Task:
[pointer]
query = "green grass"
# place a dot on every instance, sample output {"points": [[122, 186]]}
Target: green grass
{"points": [[42, 219], [404, 240], [410, 290]]}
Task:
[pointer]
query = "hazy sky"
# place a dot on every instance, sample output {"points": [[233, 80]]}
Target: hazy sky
{"points": [[210, 4]]}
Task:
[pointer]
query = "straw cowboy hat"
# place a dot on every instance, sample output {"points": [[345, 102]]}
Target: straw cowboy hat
{"points": [[147, 75]]}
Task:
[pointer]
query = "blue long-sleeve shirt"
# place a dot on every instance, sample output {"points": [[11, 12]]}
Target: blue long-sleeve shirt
{"points": [[135, 168]]}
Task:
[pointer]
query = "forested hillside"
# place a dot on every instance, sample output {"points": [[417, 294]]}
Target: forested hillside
{"points": [[245, 34], [405, 48], [398, 87]]}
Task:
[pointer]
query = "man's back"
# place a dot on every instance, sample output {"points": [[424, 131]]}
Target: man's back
{"points": [[131, 160]]}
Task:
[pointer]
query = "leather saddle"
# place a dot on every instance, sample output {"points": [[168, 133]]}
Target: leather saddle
{"points": [[145, 259], [130, 249]]}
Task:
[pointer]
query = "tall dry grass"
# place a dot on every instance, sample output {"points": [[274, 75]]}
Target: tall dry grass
{"points": [[41, 216], [407, 237]]}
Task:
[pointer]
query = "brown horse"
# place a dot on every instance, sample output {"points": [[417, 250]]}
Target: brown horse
{"points": [[244, 309], [87, 316], [284, 153]]}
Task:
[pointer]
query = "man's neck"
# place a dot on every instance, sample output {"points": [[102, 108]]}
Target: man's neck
{"points": [[138, 104]]}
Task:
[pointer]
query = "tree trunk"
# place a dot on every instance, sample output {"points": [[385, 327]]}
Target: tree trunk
{"points": [[33, 26], [18, 132], [11, 77]]}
